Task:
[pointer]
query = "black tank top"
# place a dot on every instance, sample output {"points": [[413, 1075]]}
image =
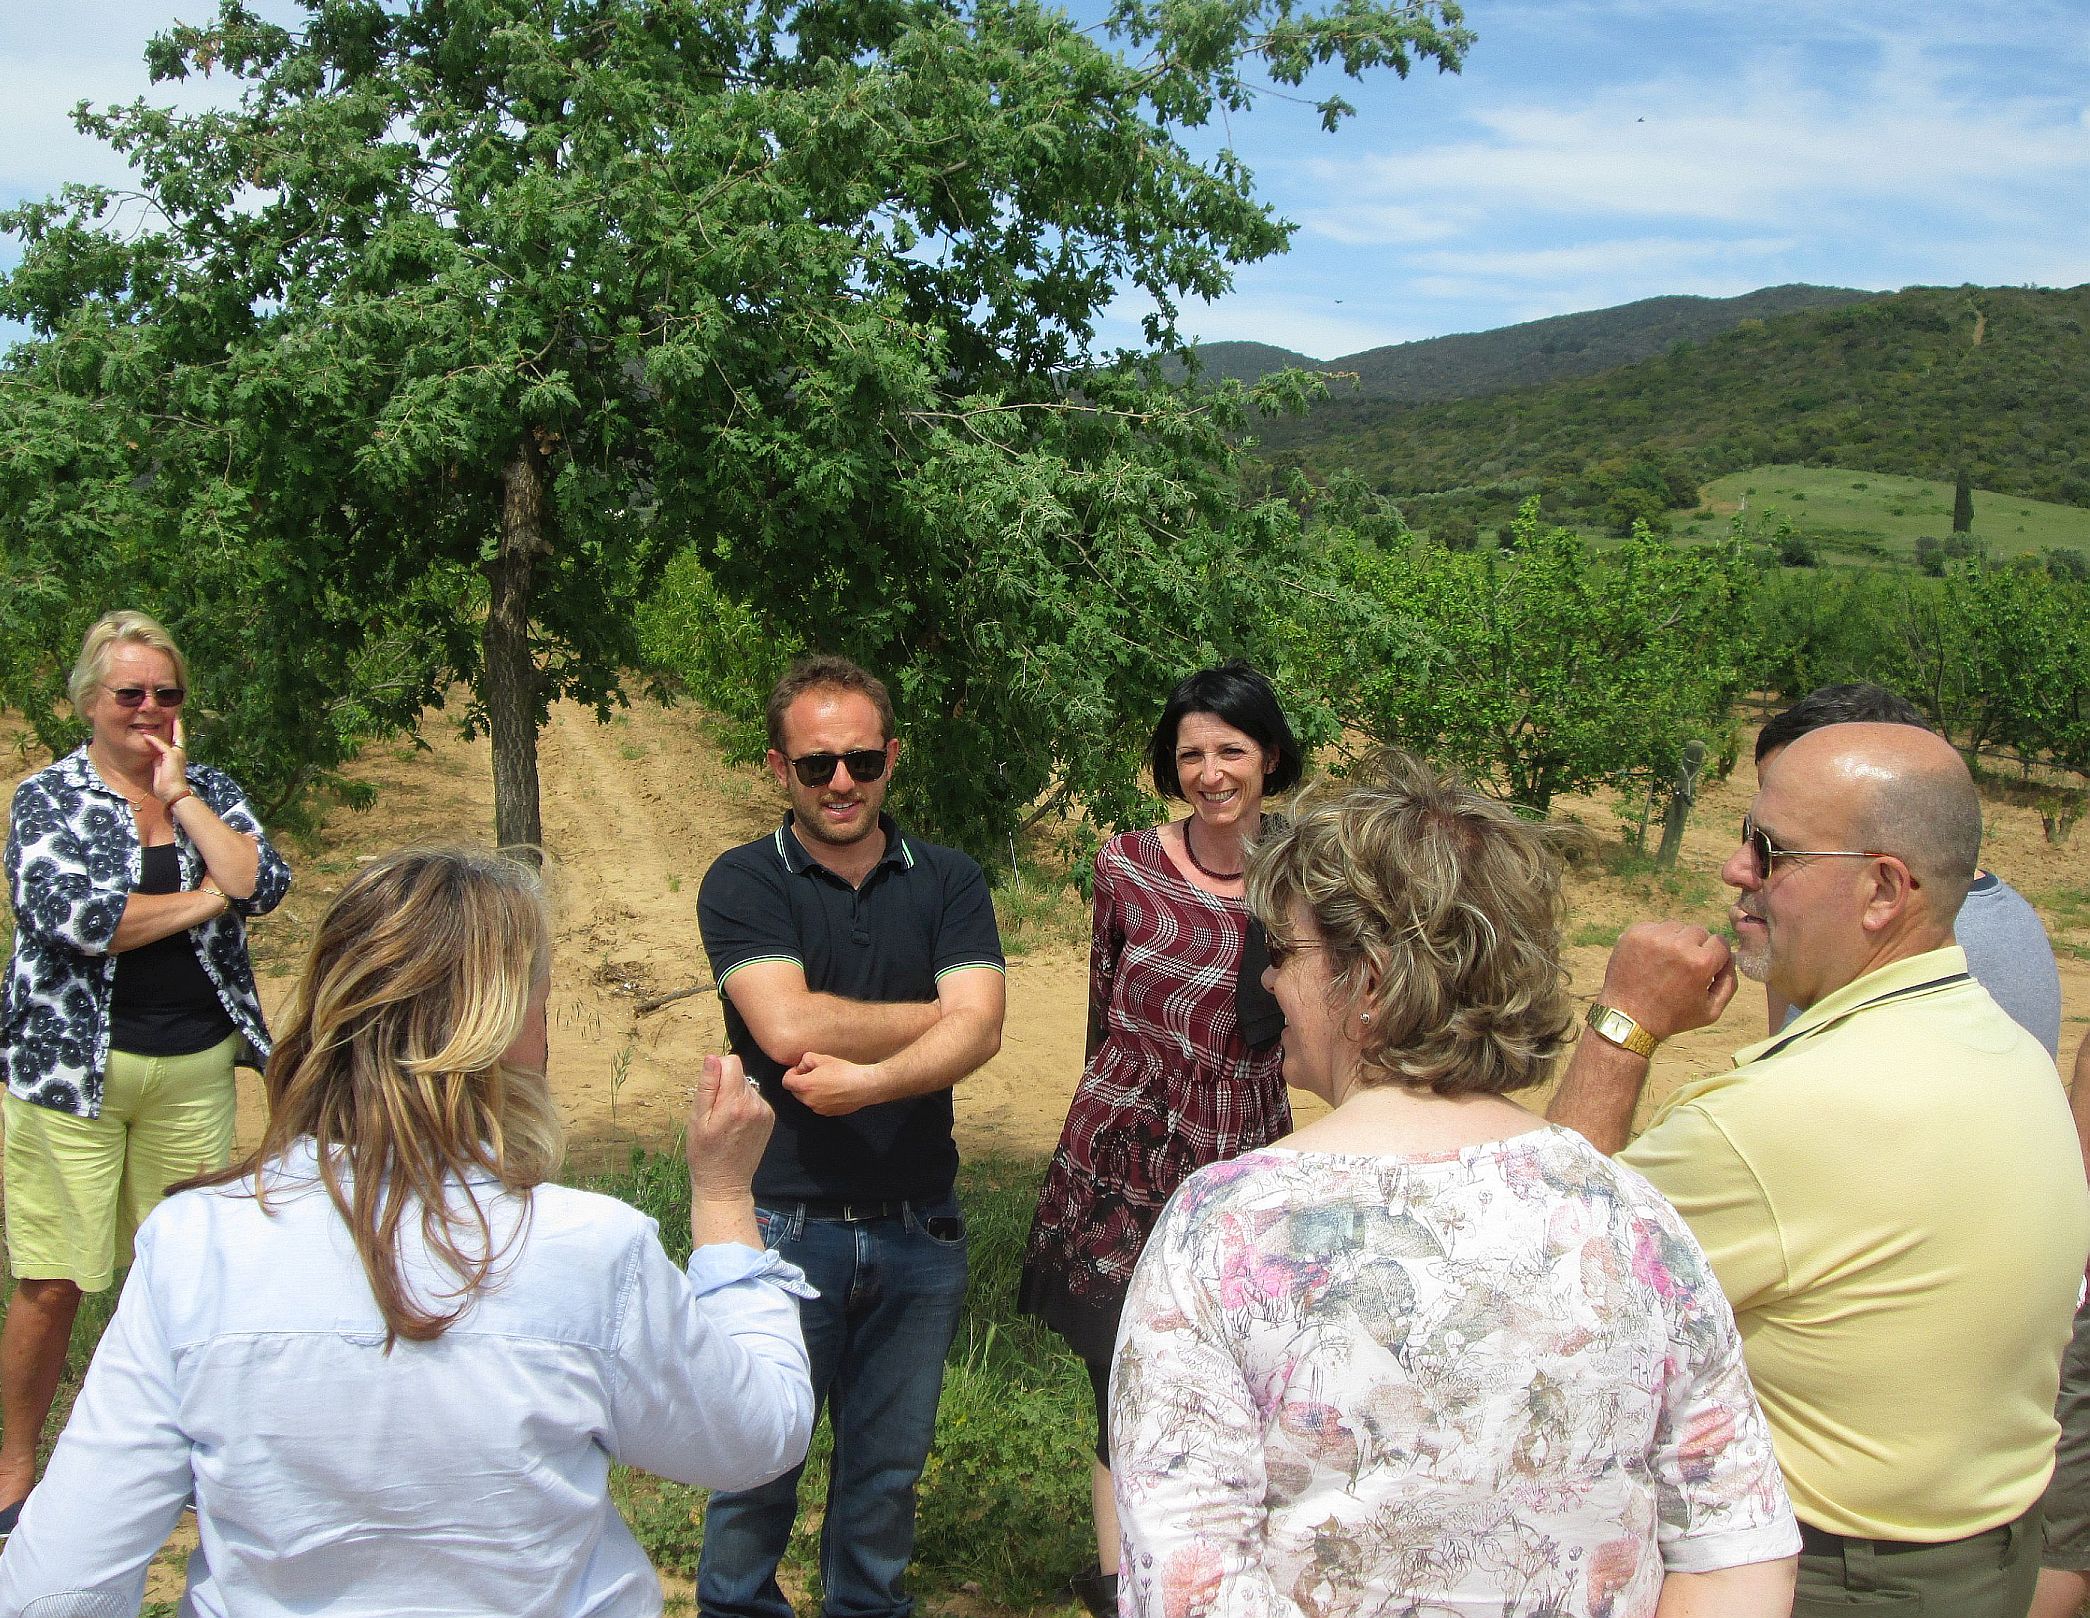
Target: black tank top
{"points": [[164, 1004]]}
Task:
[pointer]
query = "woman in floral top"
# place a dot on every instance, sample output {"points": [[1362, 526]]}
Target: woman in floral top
{"points": [[128, 998], [1428, 1354]]}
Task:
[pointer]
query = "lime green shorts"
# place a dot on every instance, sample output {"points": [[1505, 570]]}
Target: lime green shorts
{"points": [[78, 1188]]}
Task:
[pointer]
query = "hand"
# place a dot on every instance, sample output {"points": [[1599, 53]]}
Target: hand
{"points": [[170, 765], [729, 1125], [829, 1085], [1669, 976]]}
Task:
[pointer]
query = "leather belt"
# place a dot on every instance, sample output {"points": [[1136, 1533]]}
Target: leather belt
{"points": [[848, 1213], [1823, 1542]]}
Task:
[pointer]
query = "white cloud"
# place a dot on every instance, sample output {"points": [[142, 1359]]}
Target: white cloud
{"points": [[1662, 256], [1761, 149]]}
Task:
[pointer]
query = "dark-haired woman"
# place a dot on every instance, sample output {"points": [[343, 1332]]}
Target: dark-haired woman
{"points": [[390, 1360], [1173, 1079]]}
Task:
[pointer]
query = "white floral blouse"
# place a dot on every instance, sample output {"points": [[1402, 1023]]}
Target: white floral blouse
{"points": [[72, 861], [1500, 1381]]}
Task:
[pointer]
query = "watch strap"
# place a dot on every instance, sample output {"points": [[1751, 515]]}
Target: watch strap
{"points": [[1608, 1022]]}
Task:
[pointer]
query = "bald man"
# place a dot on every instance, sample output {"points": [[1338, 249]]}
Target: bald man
{"points": [[1888, 1187]]}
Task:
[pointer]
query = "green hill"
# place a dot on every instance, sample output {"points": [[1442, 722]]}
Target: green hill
{"points": [[1246, 362], [1922, 383], [1469, 364]]}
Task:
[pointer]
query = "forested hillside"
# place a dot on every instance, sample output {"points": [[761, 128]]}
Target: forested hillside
{"points": [[1468, 364], [1926, 383]]}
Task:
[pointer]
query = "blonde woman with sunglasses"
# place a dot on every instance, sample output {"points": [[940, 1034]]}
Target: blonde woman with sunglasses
{"points": [[128, 999]]}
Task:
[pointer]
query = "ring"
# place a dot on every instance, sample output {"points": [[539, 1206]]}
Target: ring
{"points": [[753, 1083]]}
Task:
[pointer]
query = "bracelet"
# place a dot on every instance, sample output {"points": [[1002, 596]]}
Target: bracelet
{"points": [[1608, 1022], [185, 792]]}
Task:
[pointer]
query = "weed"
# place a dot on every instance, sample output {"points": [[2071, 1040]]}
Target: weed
{"points": [[1690, 895], [620, 1070], [1037, 907]]}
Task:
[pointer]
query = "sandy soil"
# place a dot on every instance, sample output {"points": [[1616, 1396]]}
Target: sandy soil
{"points": [[635, 811]]}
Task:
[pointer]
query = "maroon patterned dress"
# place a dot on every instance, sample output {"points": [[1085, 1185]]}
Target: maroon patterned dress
{"points": [[1172, 1088]]}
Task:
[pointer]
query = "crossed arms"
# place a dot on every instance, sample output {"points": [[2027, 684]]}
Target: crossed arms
{"points": [[841, 1054]]}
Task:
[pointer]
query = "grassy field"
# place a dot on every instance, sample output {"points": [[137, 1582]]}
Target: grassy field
{"points": [[1872, 512]]}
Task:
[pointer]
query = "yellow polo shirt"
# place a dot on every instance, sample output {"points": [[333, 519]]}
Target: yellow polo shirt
{"points": [[1891, 1195]]}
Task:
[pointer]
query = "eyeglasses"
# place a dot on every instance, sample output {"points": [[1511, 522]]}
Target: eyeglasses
{"points": [[1766, 853], [133, 696], [817, 769], [1280, 953]]}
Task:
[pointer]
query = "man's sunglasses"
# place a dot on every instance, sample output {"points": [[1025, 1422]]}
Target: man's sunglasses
{"points": [[1766, 853], [133, 696], [817, 769]]}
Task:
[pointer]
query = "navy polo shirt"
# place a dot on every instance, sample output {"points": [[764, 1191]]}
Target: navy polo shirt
{"points": [[923, 911]]}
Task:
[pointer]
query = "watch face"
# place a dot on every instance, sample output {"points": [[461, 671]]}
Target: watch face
{"points": [[1620, 1029]]}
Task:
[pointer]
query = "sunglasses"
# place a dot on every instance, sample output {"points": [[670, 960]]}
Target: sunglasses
{"points": [[1766, 853], [1281, 953], [133, 696], [817, 769]]}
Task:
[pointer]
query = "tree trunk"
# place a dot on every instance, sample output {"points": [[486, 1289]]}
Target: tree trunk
{"points": [[511, 669], [1682, 795]]}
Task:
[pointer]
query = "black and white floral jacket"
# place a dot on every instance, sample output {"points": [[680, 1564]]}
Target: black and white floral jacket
{"points": [[73, 860]]}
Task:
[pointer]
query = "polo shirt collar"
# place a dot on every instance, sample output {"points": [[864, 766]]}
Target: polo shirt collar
{"points": [[1910, 972], [797, 861]]}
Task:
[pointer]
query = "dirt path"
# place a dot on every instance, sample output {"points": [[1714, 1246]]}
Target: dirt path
{"points": [[636, 810]]}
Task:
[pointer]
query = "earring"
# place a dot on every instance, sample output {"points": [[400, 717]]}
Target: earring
{"points": [[1364, 1016]]}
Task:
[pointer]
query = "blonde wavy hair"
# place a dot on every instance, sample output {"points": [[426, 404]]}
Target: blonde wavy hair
{"points": [[391, 1060], [1446, 905], [91, 667]]}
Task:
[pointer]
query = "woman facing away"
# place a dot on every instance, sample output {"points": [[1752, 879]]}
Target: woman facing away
{"points": [[1177, 1075], [392, 1361], [1428, 1353], [128, 998]]}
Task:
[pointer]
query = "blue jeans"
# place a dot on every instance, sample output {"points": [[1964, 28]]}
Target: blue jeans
{"points": [[890, 1296]]}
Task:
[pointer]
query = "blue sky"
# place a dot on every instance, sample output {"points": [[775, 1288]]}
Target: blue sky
{"points": [[1592, 152]]}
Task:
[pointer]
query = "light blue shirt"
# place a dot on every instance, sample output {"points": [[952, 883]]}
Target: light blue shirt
{"points": [[465, 1475]]}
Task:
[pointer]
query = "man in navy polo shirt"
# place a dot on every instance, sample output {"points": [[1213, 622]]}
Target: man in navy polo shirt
{"points": [[862, 977]]}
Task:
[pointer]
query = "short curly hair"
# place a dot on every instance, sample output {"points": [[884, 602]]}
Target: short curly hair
{"points": [[1440, 912]]}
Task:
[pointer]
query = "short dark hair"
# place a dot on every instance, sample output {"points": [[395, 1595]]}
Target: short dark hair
{"points": [[832, 673], [1236, 693], [1858, 703]]}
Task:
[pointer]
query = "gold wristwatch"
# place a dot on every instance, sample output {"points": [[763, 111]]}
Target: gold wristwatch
{"points": [[1612, 1024]]}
